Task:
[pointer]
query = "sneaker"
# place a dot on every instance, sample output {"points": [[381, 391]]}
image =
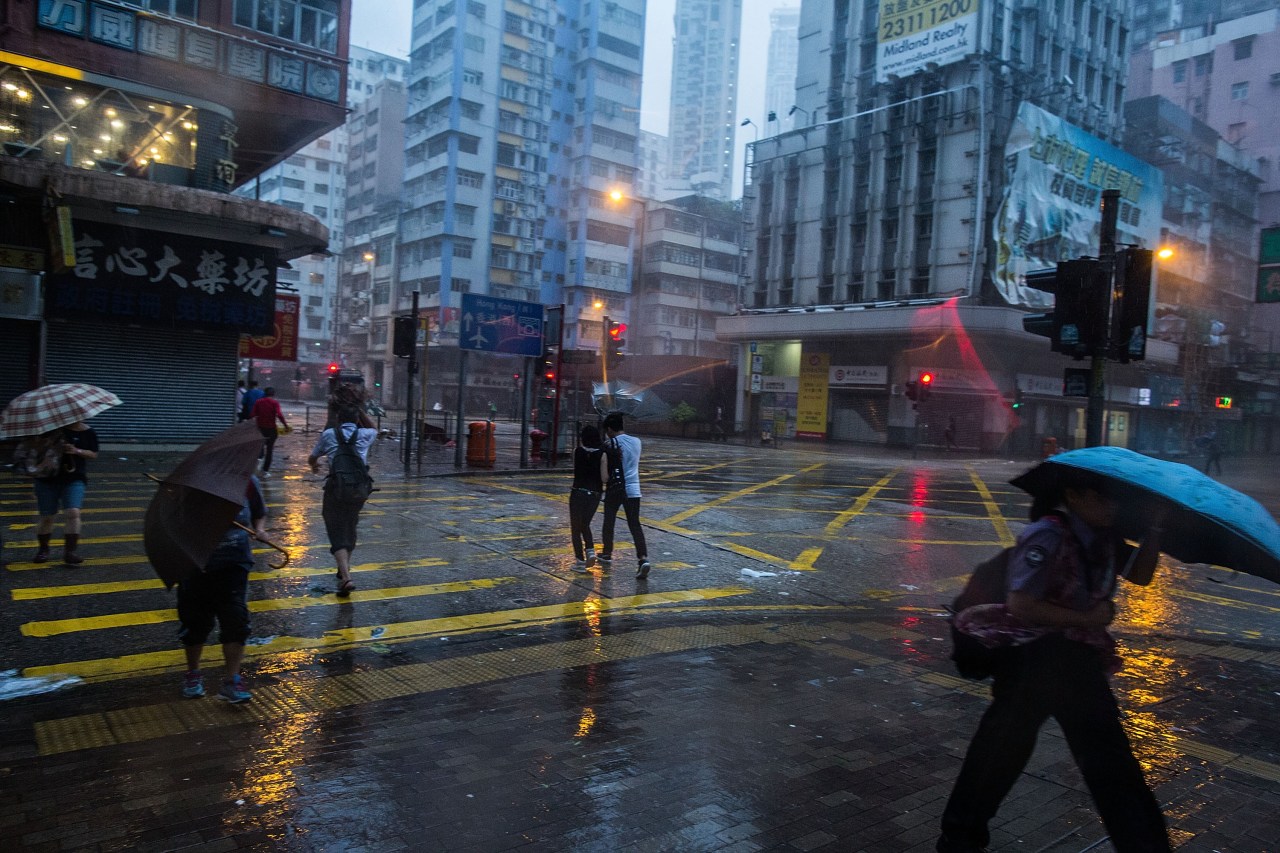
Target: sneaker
{"points": [[234, 691], [605, 558], [193, 684], [580, 566], [643, 571], [265, 475]]}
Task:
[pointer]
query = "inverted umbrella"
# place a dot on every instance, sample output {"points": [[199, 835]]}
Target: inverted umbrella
{"points": [[633, 401], [52, 407], [195, 505], [1207, 521]]}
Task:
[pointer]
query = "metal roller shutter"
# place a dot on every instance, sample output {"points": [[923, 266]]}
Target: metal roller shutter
{"points": [[178, 385], [19, 345]]}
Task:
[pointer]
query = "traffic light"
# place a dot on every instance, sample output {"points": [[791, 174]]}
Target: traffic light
{"points": [[333, 368], [1133, 299], [550, 367], [1017, 399], [405, 339], [926, 385], [1077, 326], [614, 341]]}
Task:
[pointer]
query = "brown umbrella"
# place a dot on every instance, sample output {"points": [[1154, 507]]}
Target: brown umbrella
{"points": [[196, 504]]}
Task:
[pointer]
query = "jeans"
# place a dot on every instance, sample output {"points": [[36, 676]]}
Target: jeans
{"points": [[631, 506], [582, 508], [1055, 677]]}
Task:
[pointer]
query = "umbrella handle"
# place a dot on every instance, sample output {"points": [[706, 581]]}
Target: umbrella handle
{"points": [[268, 542]]}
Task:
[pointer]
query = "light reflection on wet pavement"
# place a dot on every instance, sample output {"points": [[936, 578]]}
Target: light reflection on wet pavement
{"points": [[478, 694]]}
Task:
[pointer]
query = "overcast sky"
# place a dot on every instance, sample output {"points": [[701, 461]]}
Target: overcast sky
{"points": [[385, 25]]}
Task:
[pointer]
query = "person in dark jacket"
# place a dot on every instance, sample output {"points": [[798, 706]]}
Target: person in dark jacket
{"points": [[584, 496]]}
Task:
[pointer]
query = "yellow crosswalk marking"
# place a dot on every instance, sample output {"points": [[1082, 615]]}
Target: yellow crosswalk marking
{"points": [[681, 517], [55, 627], [993, 509], [528, 617]]}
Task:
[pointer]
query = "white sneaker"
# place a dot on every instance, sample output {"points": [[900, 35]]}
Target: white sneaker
{"points": [[265, 475]]}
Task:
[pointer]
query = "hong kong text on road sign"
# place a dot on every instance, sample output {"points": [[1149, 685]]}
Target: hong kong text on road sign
{"points": [[491, 324]]}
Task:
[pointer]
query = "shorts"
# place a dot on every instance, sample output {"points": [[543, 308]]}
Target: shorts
{"points": [[50, 493], [340, 521], [219, 593]]}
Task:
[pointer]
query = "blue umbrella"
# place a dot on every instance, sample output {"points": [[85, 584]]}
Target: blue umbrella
{"points": [[1207, 523]]}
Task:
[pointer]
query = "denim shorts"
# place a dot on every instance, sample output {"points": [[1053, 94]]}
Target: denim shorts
{"points": [[49, 493]]}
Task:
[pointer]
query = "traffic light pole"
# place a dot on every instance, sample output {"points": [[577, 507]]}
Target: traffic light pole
{"points": [[1095, 411], [409, 426]]}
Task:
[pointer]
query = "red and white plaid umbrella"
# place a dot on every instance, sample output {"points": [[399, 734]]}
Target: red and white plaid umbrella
{"points": [[53, 406]]}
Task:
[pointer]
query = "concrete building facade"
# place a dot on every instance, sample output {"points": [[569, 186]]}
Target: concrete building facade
{"points": [[890, 238]]}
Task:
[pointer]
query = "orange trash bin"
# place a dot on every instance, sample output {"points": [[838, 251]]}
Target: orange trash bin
{"points": [[482, 450]]}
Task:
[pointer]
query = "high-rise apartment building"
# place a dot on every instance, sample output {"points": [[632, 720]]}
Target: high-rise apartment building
{"points": [[1154, 20], [651, 176], [780, 72], [704, 96], [314, 180], [1226, 76], [520, 157]]}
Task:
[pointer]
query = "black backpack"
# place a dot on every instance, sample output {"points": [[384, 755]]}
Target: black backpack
{"points": [[348, 480]]}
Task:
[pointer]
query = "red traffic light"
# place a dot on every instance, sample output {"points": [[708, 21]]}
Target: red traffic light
{"points": [[333, 367], [926, 379], [617, 330]]}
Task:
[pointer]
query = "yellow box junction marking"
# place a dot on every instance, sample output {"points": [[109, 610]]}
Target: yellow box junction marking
{"points": [[810, 556], [993, 509], [740, 493]]}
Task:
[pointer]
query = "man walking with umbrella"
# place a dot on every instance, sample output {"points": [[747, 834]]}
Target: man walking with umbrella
{"points": [[1053, 657]]}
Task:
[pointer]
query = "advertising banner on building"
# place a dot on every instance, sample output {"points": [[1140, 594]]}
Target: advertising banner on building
{"points": [[129, 275], [916, 33], [282, 343], [1054, 177], [811, 404]]}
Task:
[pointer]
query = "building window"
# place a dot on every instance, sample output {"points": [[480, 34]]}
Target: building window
{"points": [[1180, 71], [310, 22], [1243, 48], [1204, 64], [174, 8], [1239, 91]]}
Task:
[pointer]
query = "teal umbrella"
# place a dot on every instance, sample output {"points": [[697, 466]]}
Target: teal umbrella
{"points": [[1207, 521]]}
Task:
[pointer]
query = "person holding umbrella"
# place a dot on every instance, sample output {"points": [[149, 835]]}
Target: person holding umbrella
{"points": [[57, 443], [61, 484], [1054, 655], [220, 593]]}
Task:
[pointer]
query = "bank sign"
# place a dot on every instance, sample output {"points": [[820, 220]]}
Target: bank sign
{"points": [[915, 33]]}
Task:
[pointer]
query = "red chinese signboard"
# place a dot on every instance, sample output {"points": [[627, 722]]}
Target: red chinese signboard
{"points": [[282, 343]]}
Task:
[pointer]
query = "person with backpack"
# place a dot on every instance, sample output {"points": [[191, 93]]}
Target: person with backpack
{"points": [[346, 445], [622, 491], [1052, 658]]}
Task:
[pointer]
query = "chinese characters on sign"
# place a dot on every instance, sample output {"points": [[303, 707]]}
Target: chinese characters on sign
{"points": [[282, 343], [131, 275]]}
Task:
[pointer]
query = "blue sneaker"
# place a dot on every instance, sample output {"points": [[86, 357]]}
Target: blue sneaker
{"points": [[234, 691], [193, 684]]}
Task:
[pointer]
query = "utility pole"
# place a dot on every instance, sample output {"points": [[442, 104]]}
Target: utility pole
{"points": [[1095, 411], [409, 427]]}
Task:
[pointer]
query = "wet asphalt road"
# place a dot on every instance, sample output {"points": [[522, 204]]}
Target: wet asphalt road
{"points": [[779, 681]]}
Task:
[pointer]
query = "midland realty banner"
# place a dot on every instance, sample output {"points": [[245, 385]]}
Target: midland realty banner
{"points": [[914, 33], [1051, 210]]}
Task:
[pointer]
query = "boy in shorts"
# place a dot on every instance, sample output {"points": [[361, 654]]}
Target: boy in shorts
{"points": [[220, 593]]}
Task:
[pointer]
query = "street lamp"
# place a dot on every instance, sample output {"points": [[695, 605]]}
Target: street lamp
{"points": [[794, 109], [754, 126]]}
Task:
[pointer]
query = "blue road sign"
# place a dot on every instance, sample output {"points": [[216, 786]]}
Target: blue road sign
{"points": [[491, 324]]}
